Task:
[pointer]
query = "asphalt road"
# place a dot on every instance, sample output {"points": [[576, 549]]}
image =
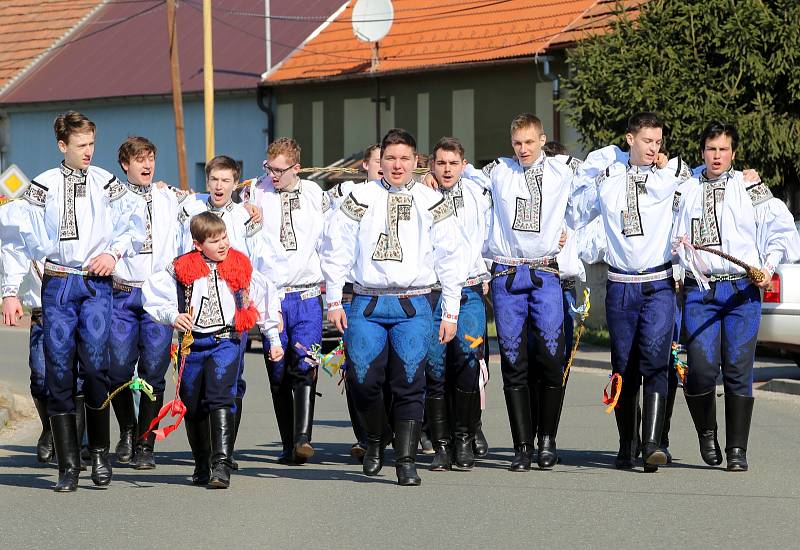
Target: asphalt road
{"points": [[328, 503]]}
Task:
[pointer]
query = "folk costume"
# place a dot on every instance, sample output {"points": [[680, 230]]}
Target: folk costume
{"points": [[226, 300], [69, 217], [722, 306], [396, 242], [303, 211]]}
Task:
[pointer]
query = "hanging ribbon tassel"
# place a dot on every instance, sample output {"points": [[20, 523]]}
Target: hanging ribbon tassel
{"points": [[698, 267], [615, 385], [483, 380], [579, 314], [680, 365]]}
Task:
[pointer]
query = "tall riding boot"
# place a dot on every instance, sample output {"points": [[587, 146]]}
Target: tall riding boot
{"points": [[480, 445], [283, 404], [738, 414], [550, 399], [198, 432], [302, 449], [44, 447], [626, 414], [98, 432], [143, 457], [519, 416], [126, 417], [667, 418], [358, 448], [467, 406], [653, 409], [223, 429], [406, 439], [234, 464], [436, 411], [703, 409], [533, 391], [65, 439], [374, 422], [80, 421]]}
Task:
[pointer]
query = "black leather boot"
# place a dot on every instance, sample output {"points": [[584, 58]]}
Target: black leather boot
{"points": [[436, 411], [406, 439], [519, 416], [653, 407], [303, 419], [550, 399], [45, 450], [223, 427], [703, 409], [374, 422], [126, 417], [80, 421], [626, 414], [358, 448], [480, 446], [98, 432], [283, 404], [143, 457], [67, 448], [738, 414], [667, 419], [198, 433], [467, 406], [234, 464]]}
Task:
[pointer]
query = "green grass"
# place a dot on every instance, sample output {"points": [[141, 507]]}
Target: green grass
{"points": [[596, 337]]}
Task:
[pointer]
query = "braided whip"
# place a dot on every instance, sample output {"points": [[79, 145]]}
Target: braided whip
{"points": [[753, 273]]}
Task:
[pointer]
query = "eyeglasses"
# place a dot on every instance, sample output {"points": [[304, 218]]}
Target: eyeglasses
{"points": [[277, 172]]}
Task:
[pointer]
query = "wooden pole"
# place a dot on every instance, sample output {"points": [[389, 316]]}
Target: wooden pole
{"points": [[177, 95], [208, 79]]}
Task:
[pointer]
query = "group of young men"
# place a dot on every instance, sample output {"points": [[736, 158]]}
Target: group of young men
{"points": [[406, 266]]}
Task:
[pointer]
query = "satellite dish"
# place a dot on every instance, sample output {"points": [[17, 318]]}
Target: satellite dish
{"points": [[372, 19]]}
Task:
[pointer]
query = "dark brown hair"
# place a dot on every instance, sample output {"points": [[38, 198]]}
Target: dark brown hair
{"points": [[448, 144], [133, 148], [221, 162], [206, 225], [72, 122]]}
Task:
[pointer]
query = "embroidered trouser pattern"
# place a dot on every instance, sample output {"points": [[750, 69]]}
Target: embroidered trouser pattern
{"points": [[387, 340], [641, 319], [456, 363], [720, 330], [76, 314], [210, 375], [137, 342], [529, 316]]}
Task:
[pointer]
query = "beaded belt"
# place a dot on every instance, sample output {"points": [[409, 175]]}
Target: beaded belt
{"points": [[58, 270], [716, 277], [398, 292], [221, 334], [472, 281], [640, 278], [125, 286], [306, 291], [545, 261]]}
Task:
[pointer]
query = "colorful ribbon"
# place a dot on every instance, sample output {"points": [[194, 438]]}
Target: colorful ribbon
{"points": [[698, 267], [483, 380], [680, 365], [612, 398], [579, 314]]}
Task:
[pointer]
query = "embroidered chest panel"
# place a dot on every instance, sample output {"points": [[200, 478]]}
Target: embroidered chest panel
{"points": [[635, 185], [74, 189], [456, 197], [290, 201], [527, 216], [147, 195], [706, 230], [398, 208], [210, 314]]}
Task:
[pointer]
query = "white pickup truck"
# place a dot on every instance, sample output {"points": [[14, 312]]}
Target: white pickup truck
{"points": [[780, 311]]}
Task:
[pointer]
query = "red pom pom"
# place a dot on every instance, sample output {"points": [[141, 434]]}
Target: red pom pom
{"points": [[236, 270], [190, 267], [245, 319]]}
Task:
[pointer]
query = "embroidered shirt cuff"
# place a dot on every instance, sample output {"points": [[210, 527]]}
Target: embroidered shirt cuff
{"points": [[333, 295], [113, 252], [450, 309], [10, 291], [274, 338], [772, 261], [333, 306]]}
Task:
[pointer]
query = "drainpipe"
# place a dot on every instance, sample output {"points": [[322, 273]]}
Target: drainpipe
{"points": [[545, 61], [264, 99]]}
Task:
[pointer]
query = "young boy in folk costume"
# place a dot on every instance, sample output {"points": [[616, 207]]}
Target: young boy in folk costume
{"points": [[245, 234], [214, 293], [83, 221], [396, 238], [136, 339], [303, 209], [453, 369], [719, 209]]}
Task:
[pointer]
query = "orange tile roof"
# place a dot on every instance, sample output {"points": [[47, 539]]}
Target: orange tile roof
{"points": [[425, 34], [31, 27]]}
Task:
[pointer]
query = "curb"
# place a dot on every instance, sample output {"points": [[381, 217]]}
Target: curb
{"points": [[782, 385]]}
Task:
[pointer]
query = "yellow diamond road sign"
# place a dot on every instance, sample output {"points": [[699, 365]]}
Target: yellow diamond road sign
{"points": [[13, 182]]}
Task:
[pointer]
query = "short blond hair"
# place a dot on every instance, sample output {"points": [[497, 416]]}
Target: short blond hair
{"points": [[287, 147], [526, 120], [206, 225]]}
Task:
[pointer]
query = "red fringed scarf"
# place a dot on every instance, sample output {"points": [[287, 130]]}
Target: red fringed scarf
{"points": [[235, 270]]}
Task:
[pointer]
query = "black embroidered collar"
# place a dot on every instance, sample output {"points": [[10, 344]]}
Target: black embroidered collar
{"points": [[388, 186], [454, 190], [142, 190], [723, 177], [217, 209], [67, 171]]}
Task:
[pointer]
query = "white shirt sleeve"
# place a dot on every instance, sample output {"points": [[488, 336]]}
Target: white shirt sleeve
{"points": [[160, 297]]}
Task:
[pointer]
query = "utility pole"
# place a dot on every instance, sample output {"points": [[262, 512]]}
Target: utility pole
{"points": [[208, 79], [268, 33], [177, 95]]}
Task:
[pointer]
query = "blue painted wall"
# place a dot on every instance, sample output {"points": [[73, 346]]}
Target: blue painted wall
{"points": [[240, 133]]}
